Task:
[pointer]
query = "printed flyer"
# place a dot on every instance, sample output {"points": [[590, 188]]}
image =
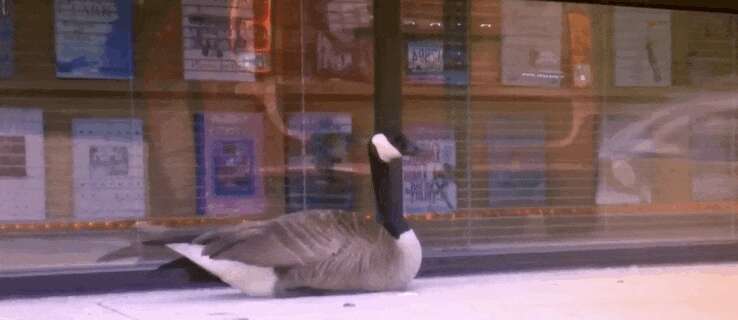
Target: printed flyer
{"points": [[94, 39], [109, 173], [531, 43], [619, 166], [425, 61], [22, 166], [436, 62], [642, 47], [229, 152], [711, 45], [429, 183], [344, 46], [226, 40]]}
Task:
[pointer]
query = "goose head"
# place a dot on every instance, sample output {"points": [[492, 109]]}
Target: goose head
{"points": [[385, 152]]}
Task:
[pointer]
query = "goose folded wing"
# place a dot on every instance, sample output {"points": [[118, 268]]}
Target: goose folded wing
{"points": [[278, 243]]}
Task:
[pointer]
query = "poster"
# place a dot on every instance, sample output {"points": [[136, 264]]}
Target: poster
{"points": [[315, 179], [618, 177], [644, 151], [344, 45], [109, 173], [425, 61], [711, 46], [428, 180], [436, 62], [229, 153], [642, 45], [226, 39], [7, 39], [531, 43], [517, 158], [22, 167], [94, 39], [713, 152]]}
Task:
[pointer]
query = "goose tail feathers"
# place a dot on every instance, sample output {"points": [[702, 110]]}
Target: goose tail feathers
{"points": [[252, 280]]}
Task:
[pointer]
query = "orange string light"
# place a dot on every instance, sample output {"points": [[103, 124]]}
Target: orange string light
{"points": [[483, 213]]}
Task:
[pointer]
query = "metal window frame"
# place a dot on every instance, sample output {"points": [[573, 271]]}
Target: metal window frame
{"points": [[725, 6]]}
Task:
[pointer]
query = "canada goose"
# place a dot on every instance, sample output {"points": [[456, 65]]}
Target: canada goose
{"points": [[318, 249]]}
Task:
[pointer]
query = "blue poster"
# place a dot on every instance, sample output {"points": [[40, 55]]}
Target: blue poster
{"points": [[425, 61], [93, 39], [233, 167], [7, 36], [228, 151], [437, 62], [517, 158]]}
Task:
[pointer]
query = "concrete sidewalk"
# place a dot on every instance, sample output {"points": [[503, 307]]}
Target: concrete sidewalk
{"points": [[672, 292]]}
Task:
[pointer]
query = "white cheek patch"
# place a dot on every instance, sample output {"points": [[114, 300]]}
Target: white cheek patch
{"points": [[386, 151]]}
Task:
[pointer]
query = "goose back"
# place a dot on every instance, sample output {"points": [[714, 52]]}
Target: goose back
{"points": [[322, 249]]}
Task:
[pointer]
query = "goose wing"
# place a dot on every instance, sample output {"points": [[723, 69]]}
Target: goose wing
{"points": [[292, 240]]}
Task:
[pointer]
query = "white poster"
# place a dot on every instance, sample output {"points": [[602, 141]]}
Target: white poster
{"points": [[531, 43], [109, 179], [428, 181], [621, 180], [642, 42], [22, 169], [218, 40], [712, 150]]}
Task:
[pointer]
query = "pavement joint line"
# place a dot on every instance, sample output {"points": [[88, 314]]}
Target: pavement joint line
{"points": [[113, 310]]}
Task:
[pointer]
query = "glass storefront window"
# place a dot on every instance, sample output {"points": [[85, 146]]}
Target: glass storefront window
{"points": [[544, 125]]}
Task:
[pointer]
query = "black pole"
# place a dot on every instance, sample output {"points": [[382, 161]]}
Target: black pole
{"points": [[388, 88], [387, 67]]}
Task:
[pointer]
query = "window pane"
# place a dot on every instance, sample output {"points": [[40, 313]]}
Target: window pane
{"points": [[542, 125], [568, 126]]}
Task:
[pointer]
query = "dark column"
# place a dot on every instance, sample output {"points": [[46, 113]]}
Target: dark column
{"points": [[388, 87], [387, 66]]}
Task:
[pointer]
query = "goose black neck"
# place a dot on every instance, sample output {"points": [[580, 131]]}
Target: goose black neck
{"points": [[387, 181]]}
